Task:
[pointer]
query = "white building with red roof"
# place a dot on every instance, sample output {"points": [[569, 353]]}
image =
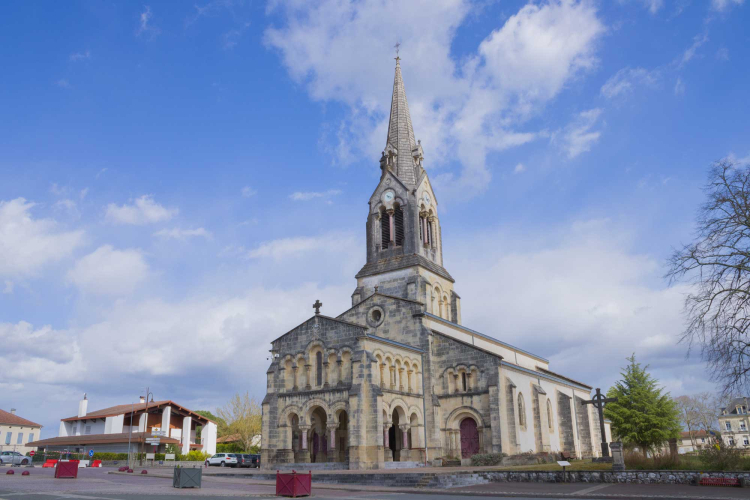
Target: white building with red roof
{"points": [[119, 428], [16, 432]]}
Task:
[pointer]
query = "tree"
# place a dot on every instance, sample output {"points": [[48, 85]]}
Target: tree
{"points": [[221, 425], [643, 416], [697, 413], [242, 415], [717, 266]]}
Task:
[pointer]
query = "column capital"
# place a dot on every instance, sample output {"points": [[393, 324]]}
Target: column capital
{"points": [[305, 428], [404, 427]]}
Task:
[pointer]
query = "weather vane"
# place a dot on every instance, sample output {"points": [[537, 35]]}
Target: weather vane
{"points": [[398, 44]]}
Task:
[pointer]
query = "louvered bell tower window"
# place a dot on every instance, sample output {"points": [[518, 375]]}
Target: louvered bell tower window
{"points": [[398, 217], [385, 230]]}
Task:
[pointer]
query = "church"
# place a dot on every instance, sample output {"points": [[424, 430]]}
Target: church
{"points": [[397, 377]]}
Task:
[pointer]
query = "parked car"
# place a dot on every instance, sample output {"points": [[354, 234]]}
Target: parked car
{"points": [[223, 460], [249, 460], [14, 458]]}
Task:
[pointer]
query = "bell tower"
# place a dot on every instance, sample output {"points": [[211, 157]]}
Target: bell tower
{"points": [[404, 237]]}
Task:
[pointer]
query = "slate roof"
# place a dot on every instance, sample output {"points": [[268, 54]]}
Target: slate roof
{"points": [[733, 404], [400, 131], [11, 419], [402, 262]]}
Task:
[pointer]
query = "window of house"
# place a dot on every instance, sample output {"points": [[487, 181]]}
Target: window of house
{"points": [[549, 416], [20, 438], [703, 440], [88, 430], [728, 425], [743, 426], [31, 437], [7, 437], [319, 368], [746, 441], [731, 441]]}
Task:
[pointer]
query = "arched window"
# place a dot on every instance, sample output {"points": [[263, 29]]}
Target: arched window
{"points": [[385, 229], [521, 412], [319, 368], [463, 380], [398, 219], [549, 415]]}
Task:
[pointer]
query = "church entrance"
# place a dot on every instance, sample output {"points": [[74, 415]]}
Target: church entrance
{"points": [[395, 437], [342, 437], [469, 438], [317, 439]]}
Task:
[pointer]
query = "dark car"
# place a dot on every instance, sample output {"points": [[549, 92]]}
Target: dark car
{"points": [[244, 461], [251, 461]]}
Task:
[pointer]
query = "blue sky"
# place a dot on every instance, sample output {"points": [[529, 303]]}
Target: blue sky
{"points": [[180, 181]]}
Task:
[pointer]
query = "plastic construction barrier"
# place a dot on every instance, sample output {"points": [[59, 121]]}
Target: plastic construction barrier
{"points": [[66, 470], [96, 463], [293, 485], [720, 481], [50, 463]]}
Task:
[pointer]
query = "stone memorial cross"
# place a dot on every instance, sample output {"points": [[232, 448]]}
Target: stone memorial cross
{"points": [[599, 400]]}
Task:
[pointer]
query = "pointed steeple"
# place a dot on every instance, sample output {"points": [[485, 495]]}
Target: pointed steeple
{"points": [[401, 140]]}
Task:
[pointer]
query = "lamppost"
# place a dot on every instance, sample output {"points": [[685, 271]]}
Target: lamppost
{"points": [[130, 430], [145, 427]]}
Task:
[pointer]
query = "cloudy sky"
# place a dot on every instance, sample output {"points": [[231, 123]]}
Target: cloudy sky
{"points": [[180, 181]]}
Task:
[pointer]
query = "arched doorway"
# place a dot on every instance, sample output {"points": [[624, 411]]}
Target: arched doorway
{"points": [[396, 436], [469, 437], [342, 437], [317, 442]]}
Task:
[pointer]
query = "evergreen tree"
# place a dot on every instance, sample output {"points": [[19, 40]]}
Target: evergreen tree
{"points": [[643, 416]]}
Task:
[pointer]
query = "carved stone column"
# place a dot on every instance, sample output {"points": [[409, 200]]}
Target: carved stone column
{"points": [[401, 379], [382, 375], [408, 380], [387, 453], [393, 377], [405, 451], [296, 380], [341, 372], [307, 377], [332, 455], [325, 374], [392, 228]]}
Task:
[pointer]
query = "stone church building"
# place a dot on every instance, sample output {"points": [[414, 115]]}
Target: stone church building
{"points": [[397, 377]]}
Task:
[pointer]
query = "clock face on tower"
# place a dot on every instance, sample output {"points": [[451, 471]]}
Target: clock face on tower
{"points": [[426, 198], [388, 196]]}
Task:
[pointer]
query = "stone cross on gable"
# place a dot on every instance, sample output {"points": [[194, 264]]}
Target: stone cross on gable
{"points": [[318, 304], [598, 401]]}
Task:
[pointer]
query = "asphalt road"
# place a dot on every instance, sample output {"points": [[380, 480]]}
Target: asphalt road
{"points": [[97, 484]]}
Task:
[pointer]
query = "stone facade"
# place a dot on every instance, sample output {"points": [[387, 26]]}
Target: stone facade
{"points": [[397, 378]]}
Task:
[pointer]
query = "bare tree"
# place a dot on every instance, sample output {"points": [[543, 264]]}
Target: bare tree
{"points": [[698, 413], [688, 415], [243, 417], [717, 265]]}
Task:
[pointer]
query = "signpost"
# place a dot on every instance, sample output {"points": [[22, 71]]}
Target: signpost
{"points": [[91, 453], [563, 464], [32, 453]]}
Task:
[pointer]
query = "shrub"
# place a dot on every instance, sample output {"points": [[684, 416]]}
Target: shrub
{"points": [[721, 457], [195, 456], [488, 459]]}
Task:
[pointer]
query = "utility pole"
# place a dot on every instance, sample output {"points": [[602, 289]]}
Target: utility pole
{"points": [[145, 427], [130, 431]]}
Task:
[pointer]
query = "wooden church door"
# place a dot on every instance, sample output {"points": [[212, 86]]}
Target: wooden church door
{"points": [[469, 438]]}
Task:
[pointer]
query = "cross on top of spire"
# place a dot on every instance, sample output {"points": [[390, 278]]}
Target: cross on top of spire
{"points": [[397, 46]]}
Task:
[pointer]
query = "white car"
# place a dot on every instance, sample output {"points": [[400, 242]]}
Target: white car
{"points": [[14, 458], [223, 460]]}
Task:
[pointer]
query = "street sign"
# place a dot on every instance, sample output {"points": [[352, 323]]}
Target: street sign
{"points": [[157, 433], [153, 441], [32, 453], [150, 456], [91, 453]]}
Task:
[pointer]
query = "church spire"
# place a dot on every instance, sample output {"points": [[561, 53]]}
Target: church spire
{"points": [[400, 141]]}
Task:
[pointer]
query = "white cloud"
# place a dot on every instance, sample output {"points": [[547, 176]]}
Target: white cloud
{"points": [[144, 210], [145, 26], [8, 289], [581, 286], [722, 54], [291, 247], [337, 49], [311, 195], [519, 168], [107, 271], [27, 355], [578, 137], [83, 193], [725, 5], [28, 244], [624, 81], [247, 192], [183, 234], [679, 87], [231, 38], [689, 54], [80, 56]]}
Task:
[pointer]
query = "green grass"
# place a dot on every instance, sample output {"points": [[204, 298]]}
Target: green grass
{"points": [[575, 465]]}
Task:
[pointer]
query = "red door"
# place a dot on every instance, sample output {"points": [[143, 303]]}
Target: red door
{"points": [[469, 438]]}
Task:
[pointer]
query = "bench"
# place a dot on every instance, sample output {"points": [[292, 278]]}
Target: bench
{"points": [[566, 455], [720, 481]]}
